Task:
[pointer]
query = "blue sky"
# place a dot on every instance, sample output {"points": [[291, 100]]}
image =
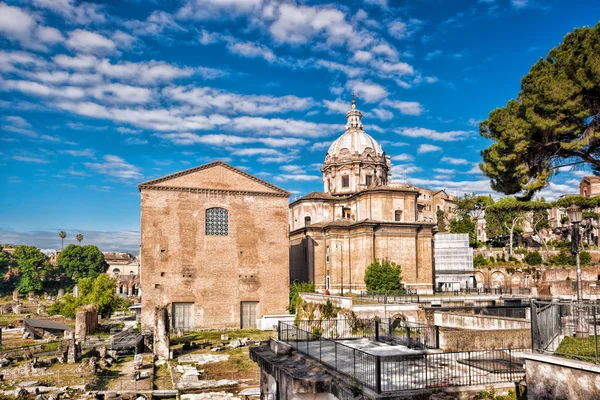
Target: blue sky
{"points": [[96, 97]]}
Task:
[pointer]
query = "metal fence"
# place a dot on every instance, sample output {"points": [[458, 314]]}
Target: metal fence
{"points": [[34, 350], [567, 330], [412, 371], [402, 297], [409, 334]]}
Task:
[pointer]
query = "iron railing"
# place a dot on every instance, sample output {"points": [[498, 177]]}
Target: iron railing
{"points": [[567, 330], [411, 371], [403, 297], [409, 334]]}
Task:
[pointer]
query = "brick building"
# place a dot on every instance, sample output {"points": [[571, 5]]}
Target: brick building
{"points": [[214, 248]]}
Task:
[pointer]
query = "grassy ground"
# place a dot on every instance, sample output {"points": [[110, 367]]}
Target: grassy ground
{"points": [[238, 366], [579, 348], [162, 378]]}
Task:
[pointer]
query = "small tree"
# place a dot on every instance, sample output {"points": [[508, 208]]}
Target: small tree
{"points": [[383, 276], [82, 262], [441, 220], [32, 265], [533, 258]]}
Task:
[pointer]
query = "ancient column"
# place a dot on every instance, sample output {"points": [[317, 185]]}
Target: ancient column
{"points": [[161, 333]]}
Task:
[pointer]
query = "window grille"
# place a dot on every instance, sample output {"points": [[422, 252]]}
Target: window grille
{"points": [[217, 222]]}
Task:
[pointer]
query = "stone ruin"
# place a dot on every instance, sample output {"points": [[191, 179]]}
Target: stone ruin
{"points": [[86, 321], [161, 345], [69, 351]]}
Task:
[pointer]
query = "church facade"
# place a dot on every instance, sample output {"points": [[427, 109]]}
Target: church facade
{"points": [[362, 215], [214, 248]]}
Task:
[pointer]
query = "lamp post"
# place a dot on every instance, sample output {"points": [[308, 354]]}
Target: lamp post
{"points": [[575, 216]]}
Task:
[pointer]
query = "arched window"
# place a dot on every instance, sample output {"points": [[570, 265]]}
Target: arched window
{"points": [[397, 215], [307, 221], [217, 222]]}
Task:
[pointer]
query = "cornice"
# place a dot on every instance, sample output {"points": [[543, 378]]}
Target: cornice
{"points": [[211, 191]]}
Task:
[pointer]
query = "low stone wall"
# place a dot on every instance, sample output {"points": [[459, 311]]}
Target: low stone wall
{"points": [[461, 339], [557, 378], [338, 301], [478, 322]]}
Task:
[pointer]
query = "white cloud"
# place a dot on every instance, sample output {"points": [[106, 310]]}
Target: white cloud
{"points": [[206, 99], [454, 161], [115, 167], [255, 152], [460, 187], [432, 54], [298, 24], [403, 157], [155, 24], [350, 71], [433, 135], [28, 159], [385, 50], [80, 153], [221, 140], [338, 106], [297, 178], [201, 9], [369, 92], [17, 121], [133, 141], [403, 169], [428, 148], [89, 42], [401, 29], [83, 14], [80, 61], [475, 169], [444, 171], [382, 114], [320, 146], [120, 93], [17, 25], [362, 56], [251, 50], [405, 107]]}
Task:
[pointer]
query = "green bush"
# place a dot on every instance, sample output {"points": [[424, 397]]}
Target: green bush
{"points": [[479, 260], [533, 258], [585, 258], [383, 276], [295, 290]]}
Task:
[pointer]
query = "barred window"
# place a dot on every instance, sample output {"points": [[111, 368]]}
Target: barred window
{"points": [[217, 221]]}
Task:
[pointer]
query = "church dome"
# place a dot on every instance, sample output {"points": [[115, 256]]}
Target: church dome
{"points": [[355, 139]]}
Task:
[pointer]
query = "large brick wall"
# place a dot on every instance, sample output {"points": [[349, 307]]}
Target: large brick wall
{"points": [[180, 263]]}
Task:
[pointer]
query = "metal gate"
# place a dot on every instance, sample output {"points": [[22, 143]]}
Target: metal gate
{"points": [[545, 325], [183, 316], [248, 314]]}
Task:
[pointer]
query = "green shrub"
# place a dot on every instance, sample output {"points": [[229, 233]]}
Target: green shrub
{"points": [[533, 258], [295, 290], [479, 260], [585, 258], [383, 276]]}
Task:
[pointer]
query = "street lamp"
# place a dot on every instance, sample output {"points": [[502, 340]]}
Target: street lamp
{"points": [[575, 216]]}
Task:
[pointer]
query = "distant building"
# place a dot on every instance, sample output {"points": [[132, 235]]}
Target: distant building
{"points": [[453, 262], [214, 248], [122, 264]]}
